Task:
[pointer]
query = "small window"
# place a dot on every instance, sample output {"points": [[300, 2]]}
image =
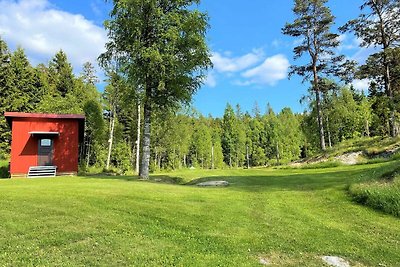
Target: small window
{"points": [[45, 142]]}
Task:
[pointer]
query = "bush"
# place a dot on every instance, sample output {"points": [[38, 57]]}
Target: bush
{"points": [[4, 169], [121, 157], [322, 165]]}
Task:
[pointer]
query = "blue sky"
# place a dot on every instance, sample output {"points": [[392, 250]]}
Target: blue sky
{"points": [[250, 55]]}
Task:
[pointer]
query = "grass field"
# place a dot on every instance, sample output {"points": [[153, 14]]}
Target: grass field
{"points": [[289, 216], [382, 194]]}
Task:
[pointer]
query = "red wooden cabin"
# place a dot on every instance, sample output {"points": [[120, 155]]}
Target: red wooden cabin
{"points": [[43, 144]]}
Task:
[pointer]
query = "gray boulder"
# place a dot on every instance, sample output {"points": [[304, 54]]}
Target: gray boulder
{"points": [[213, 183]]}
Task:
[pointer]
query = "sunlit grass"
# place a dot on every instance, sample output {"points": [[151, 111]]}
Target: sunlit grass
{"points": [[291, 217]]}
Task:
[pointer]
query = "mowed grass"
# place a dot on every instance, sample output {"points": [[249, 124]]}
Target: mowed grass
{"points": [[290, 217]]}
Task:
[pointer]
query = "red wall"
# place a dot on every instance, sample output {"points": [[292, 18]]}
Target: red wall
{"points": [[24, 147]]}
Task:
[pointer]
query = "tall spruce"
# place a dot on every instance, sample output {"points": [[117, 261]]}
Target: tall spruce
{"points": [[61, 73], [26, 93], [162, 46], [379, 25], [6, 85], [312, 26], [228, 135]]}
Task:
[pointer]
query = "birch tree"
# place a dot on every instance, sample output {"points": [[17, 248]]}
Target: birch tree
{"points": [[161, 45]]}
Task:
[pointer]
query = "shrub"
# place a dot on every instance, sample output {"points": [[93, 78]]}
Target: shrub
{"points": [[4, 169]]}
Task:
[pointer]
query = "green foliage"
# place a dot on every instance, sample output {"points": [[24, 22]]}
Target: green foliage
{"points": [[61, 74], [312, 25], [160, 46], [377, 26], [161, 40], [68, 104], [323, 165], [4, 169], [202, 142], [95, 131], [228, 141], [121, 157], [288, 135]]}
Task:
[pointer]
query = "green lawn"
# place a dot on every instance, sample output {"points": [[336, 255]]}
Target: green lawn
{"points": [[292, 217]]}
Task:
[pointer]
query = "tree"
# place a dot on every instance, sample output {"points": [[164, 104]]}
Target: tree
{"points": [[6, 85], [239, 137], [312, 24], [202, 141], [88, 74], [374, 69], [379, 26], [228, 127], [112, 95], [94, 131], [289, 135], [26, 93], [161, 46], [61, 73]]}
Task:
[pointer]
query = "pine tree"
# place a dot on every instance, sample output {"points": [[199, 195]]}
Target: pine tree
{"points": [[379, 26], [312, 24]]}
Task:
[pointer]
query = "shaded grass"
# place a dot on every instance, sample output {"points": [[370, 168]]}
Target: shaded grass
{"points": [[292, 217]]}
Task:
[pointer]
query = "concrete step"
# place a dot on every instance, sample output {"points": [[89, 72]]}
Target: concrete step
{"points": [[42, 171]]}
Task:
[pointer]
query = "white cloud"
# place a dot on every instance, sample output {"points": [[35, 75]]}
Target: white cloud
{"points": [[346, 44], [227, 63], [211, 80], [42, 31], [361, 85], [363, 53], [272, 70]]}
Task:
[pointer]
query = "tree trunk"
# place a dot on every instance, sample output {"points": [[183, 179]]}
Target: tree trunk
{"points": [[184, 161], [247, 157], [155, 157], [173, 159], [387, 74], [367, 128], [319, 111], [88, 154], [145, 164], [320, 122], [237, 160], [111, 137], [277, 153], [138, 141], [212, 157], [389, 93], [329, 132]]}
